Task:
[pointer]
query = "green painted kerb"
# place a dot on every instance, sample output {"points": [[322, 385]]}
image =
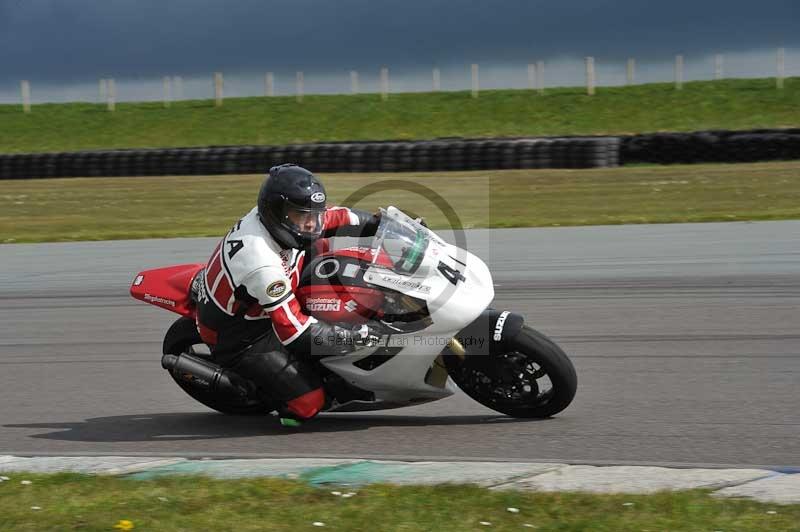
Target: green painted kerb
{"points": [[358, 473]]}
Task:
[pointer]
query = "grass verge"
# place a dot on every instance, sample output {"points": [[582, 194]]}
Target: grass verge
{"points": [[71, 501], [163, 207], [724, 104]]}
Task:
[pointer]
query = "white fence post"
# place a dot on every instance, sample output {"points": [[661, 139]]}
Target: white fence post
{"points": [[25, 87], [384, 83], [781, 68], [177, 86], [167, 81], [437, 80], [531, 76], [540, 75], [631, 71], [354, 82], [300, 86], [590, 76], [218, 85], [112, 95], [101, 90], [719, 61], [269, 84], [678, 72], [475, 80]]}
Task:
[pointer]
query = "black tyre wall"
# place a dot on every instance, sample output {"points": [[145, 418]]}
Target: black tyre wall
{"points": [[430, 155], [447, 154]]}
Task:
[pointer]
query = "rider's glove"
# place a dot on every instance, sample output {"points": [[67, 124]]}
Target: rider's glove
{"points": [[368, 335], [370, 224]]}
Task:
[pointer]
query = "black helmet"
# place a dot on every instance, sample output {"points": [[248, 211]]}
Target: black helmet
{"points": [[291, 205]]}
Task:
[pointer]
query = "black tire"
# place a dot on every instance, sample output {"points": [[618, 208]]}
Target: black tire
{"points": [[532, 349], [182, 337]]}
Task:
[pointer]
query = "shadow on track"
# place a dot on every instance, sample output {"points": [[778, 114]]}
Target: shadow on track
{"points": [[206, 426]]}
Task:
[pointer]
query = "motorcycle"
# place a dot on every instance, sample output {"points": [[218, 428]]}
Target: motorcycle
{"points": [[433, 300]]}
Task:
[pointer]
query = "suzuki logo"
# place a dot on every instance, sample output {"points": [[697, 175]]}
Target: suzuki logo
{"points": [[498, 327]]}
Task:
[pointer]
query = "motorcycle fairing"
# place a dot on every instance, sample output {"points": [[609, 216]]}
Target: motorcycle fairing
{"points": [[168, 288]]}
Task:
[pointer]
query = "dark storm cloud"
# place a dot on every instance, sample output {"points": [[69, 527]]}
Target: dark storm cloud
{"points": [[63, 40]]}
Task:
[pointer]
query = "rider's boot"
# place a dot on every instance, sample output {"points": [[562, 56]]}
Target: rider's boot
{"points": [[302, 408]]}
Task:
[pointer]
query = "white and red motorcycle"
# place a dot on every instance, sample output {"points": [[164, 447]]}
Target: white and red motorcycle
{"points": [[433, 298]]}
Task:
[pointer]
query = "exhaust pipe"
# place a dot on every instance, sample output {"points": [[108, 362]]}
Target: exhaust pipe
{"points": [[205, 375]]}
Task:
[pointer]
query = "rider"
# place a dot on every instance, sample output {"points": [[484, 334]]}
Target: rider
{"points": [[248, 313]]}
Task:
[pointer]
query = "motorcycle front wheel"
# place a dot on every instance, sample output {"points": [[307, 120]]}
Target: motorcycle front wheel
{"points": [[533, 379]]}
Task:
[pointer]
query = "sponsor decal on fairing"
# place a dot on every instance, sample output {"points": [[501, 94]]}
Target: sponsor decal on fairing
{"points": [[157, 299], [317, 304], [405, 283], [350, 270], [327, 268]]}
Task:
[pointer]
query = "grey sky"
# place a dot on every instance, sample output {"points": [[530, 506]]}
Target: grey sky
{"points": [[77, 40]]}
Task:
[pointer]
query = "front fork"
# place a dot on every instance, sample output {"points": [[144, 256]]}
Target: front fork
{"points": [[489, 335]]}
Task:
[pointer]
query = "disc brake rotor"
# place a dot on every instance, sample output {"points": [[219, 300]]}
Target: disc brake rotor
{"points": [[510, 377]]}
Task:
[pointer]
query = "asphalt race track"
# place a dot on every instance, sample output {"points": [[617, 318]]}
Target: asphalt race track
{"points": [[685, 338]]}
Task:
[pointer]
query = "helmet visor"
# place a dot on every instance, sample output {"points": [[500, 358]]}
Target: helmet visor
{"points": [[304, 221]]}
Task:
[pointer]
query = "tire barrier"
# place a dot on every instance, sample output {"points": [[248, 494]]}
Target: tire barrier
{"points": [[417, 156], [387, 156], [712, 146]]}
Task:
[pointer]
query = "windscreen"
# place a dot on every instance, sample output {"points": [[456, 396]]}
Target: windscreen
{"points": [[401, 240]]}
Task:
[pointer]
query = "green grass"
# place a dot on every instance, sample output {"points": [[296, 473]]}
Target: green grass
{"points": [[77, 502], [729, 104], [145, 207]]}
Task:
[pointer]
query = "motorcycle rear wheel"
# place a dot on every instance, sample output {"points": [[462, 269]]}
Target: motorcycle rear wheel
{"points": [[182, 337], [512, 382]]}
